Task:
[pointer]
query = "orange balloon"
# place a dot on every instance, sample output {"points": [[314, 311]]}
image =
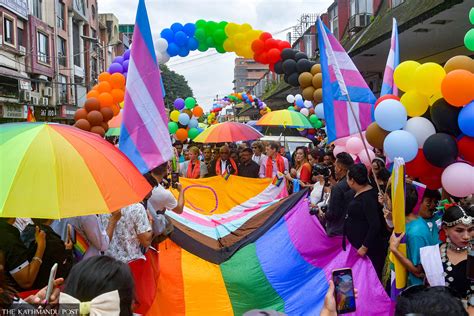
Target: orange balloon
{"points": [[92, 104], [117, 81], [458, 87], [118, 95], [80, 114], [95, 118], [105, 76], [106, 99], [198, 111], [104, 86], [96, 87], [93, 94], [99, 130], [181, 134], [107, 113], [83, 124], [105, 126], [115, 108]]}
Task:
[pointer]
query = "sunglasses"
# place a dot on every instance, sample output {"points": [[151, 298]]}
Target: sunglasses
{"points": [[415, 289]]}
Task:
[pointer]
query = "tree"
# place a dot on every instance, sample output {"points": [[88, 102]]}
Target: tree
{"points": [[175, 86]]}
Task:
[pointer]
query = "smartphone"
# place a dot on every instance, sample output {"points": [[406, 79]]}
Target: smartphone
{"points": [[174, 180], [344, 291], [52, 277]]}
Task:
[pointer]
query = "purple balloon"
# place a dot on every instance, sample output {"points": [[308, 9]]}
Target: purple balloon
{"points": [[304, 132], [115, 67], [118, 59], [126, 55], [125, 65], [125, 74], [179, 104]]}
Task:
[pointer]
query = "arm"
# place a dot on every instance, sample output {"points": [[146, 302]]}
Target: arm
{"points": [[394, 243], [179, 208], [263, 164], [142, 225], [145, 239], [112, 223], [372, 216]]}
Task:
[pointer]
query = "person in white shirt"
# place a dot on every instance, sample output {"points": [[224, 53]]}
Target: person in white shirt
{"points": [[274, 163], [258, 155]]}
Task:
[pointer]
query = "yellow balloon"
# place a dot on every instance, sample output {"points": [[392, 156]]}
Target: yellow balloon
{"points": [[415, 103], [435, 97], [229, 45], [121, 105], [428, 78], [174, 115], [268, 109], [247, 52], [231, 29], [245, 28], [239, 39], [404, 75]]}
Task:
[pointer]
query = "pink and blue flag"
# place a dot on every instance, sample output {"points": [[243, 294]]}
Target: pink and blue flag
{"points": [[388, 85], [144, 136], [343, 85]]}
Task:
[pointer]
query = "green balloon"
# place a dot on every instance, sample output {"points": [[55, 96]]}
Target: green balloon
{"points": [[189, 103], [210, 42], [203, 47], [172, 127], [193, 132], [318, 124], [223, 24], [220, 48], [200, 24], [471, 16], [219, 36], [469, 40], [200, 35], [211, 27], [313, 119], [291, 108]]}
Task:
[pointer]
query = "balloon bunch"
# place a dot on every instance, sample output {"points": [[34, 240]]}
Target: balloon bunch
{"points": [[268, 50], [120, 64], [176, 40], [184, 119], [212, 118], [469, 37], [433, 143], [355, 147]]}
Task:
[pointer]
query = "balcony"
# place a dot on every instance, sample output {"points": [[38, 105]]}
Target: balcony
{"points": [[359, 21]]}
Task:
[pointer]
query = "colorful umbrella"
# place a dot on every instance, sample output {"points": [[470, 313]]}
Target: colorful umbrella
{"points": [[227, 132], [114, 125], [56, 171], [285, 118]]}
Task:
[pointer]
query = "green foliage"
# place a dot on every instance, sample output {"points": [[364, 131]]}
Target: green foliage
{"points": [[175, 86]]}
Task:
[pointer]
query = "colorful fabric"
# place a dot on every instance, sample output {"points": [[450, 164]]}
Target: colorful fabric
{"points": [[219, 170], [265, 252], [269, 165], [80, 246], [285, 118], [393, 59], [194, 169], [342, 85], [420, 190], [144, 136], [30, 116]]}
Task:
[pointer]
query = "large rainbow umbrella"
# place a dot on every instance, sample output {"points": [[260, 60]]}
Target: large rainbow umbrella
{"points": [[285, 118], [228, 132], [114, 125], [57, 171]]}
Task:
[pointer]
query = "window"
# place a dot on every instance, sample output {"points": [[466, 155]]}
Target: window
{"points": [[334, 22], [8, 30], [60, 17], [361, 6], [94, 73], [38, 9], [43, 48], [396, 3], [62, 89], [62, 51], [19, 36], [76, 44], [93, 12]]}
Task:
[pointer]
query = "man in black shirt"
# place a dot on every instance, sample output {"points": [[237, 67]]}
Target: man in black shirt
{"points": [[247, 167]]}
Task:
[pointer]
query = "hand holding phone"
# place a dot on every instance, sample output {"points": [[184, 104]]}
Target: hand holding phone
{"points": [[52, 276], [174, 180], [344, 292]]}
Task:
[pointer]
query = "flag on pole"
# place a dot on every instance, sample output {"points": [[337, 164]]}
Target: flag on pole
{"points": [[342, 84], [144, 136], [30, 117], [388, 85]]}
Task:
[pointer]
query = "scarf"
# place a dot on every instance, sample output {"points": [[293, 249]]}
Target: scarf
{"points": [[194, 173], [269, 167], [218, 166]]}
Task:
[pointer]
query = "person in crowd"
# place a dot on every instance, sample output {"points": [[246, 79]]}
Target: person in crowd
{"points": [[313, 158], [258, 155], [100, 278], [234, 154], [247, 167], [179, 149], [21, 269], [302, 169], [273, 163], [21, 223], [207, 155], [224, 164], [411, 199], [56, 251], [328, 158], [285, 154], [186, 154], [341, 195], [321, 191], [193, 168], [420, 233], [379, 153], [364, 225], [383, 175]]}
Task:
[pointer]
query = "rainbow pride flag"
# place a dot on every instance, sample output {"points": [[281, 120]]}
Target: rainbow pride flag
{"points": [[80, 246], [248, 246]]}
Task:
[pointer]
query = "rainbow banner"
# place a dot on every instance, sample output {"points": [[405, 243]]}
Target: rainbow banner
{"points": [[80, 246], [243, 245]]}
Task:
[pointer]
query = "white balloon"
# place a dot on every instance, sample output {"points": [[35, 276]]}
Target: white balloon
{"points": [[161, 44], [164, 58], [304, 111], [421, 128], [290, 98], [308, 104], [298, 97], [319, 111]]}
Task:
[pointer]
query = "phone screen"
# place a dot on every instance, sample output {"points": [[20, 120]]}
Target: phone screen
{"points": [[52, 276], [344, 291], [174, 179]]}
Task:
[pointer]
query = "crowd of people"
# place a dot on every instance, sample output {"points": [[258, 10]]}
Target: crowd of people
{"points": [[349, 199]]}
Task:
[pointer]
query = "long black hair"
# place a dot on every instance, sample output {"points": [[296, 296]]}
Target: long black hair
{"points": [[98, 275]]}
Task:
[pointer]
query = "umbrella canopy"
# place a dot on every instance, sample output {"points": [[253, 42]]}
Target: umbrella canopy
{"points": [[228, 132], [285, 118], [56, 171], [114, 125]]}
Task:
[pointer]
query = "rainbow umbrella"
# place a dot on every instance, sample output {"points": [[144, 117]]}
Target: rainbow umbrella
{"points": [[114, 125], [228, 132], [57, 171], [285, 118]]}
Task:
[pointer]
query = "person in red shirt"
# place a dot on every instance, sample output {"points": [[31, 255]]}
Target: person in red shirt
{"points": [[302, 169]]}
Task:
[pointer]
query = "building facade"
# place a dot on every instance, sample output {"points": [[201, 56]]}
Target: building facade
{"points": [[247, 72]]}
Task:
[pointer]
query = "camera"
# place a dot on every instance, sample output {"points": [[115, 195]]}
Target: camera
{"points": [[321, 170]]}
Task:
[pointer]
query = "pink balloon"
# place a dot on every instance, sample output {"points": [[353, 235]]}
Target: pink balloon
{"points": [[363, 157], [354, 145], [458, 179], [338, 149]]}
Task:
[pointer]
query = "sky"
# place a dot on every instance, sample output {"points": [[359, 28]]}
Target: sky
{"points": [[212, 75]]}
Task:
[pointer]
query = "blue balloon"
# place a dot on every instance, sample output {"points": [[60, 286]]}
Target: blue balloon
{"points": [[319, 111], [390, 115], [400, 144], [125, 65], [193, 123], [179, 104], [180, 38], [172, 50], [466, 119], [183, 52], [176, 27], [189, 29], [300, 103], [168, 35], [183, 119], [192, 44]]}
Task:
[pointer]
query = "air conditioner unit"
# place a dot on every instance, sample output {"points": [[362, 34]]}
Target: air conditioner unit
{"points": [[48, 91], [34, 101], [22, 50], [359, 21], [44, 101], [25, 96]]}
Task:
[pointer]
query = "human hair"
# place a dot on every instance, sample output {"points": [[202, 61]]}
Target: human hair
{"points": [[305, 156], [98, 275], [345, 160], [315, 154], [39, 221], [224, 147], [432, 194], [177, 143], [433, 301], [259, 145], [160, 170], [194, 149], [150, 179], [383, 174], [247, 150], [358, 173], [411, 197], [274, 145], [456, 214]]}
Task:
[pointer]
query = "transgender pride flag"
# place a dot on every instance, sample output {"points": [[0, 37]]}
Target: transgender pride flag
{"points": [[144, 136], [388, 85], [342, 84]]}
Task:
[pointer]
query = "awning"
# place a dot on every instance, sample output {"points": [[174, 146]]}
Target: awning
{"points": [[23, 80]]}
